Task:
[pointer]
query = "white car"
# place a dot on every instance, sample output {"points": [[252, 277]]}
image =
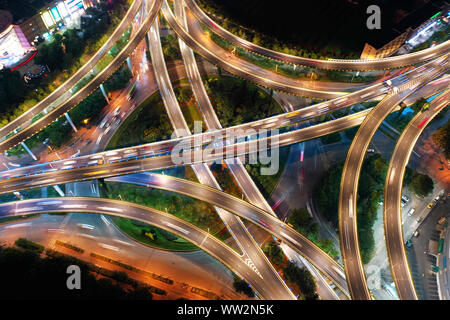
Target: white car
{"points": [[411, 212]]}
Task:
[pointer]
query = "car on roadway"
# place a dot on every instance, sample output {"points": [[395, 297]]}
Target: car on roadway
{"points": [[116, 112], [430, 205], [425, 106], [102, 123], [411, 212]]}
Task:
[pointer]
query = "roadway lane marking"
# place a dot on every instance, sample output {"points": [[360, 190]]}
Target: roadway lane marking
{"points": [[28, 209], [104, 219], [338, 271], [350, 206], [111, 209], [290, 239], [346, 236], [177, 227], [50, 202], [73, 206], [126, 168], [204, 239]]}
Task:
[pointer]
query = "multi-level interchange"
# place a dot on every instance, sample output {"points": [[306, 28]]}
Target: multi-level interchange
{"points": [[424, 77]]}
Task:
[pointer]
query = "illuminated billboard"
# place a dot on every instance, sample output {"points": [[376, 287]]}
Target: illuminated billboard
{"points": [[47, 18], [74, 5], [14, 47], [62, 9], [55, 14]]}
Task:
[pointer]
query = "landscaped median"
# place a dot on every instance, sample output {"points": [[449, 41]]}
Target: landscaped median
{"points": [[197, 212]]}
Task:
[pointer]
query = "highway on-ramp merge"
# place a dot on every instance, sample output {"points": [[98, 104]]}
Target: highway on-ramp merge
{"points": [[393, 192], [350, 176]]}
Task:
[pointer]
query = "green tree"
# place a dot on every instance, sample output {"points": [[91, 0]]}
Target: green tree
{"points": [[442, 138], [422, 185], [240, 285], [274, 252], [303, 279], [185, 94]]}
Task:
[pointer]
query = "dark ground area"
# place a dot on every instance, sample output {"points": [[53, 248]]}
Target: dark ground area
{"points": [[420, 262], [323, 24], [22, 8]]}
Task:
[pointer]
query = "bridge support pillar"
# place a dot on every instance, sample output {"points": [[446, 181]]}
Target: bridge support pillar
{"points": [[129, 65], [102, 88], [28, 150], [58, 189], [71, 122]]}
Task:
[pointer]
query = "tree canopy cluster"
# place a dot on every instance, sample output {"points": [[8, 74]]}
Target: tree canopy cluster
{"points": [[304, 224], [274, 252], [303, 279], [170, 48], [12, 89], [421, 184], [240, 285], [442, 138], [370, 192], [238, 101]]}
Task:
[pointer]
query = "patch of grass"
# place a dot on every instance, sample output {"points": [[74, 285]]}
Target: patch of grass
{"points": [[137, 230], [194, 211]]}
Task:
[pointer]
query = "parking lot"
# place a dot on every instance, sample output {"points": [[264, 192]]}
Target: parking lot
{"points": [[420, 261]]}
